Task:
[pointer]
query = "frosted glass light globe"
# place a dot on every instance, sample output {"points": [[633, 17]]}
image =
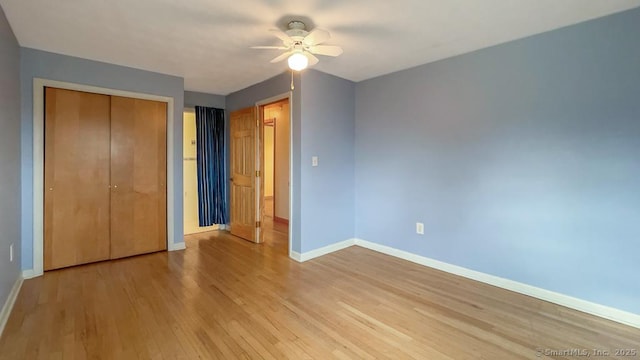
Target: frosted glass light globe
{"points": [[298, 61]]}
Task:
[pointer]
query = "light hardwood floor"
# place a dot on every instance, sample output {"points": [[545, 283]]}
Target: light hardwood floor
{"points": [[227, 298]]}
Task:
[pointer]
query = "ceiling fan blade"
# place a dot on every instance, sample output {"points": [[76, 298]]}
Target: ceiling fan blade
{"points": [[282, 36], [270, 47], [316, 36], [281, 57], [312, 59], [328, 50]]}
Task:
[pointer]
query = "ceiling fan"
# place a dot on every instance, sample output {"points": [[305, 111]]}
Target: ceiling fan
{"points": [[301, 46]]}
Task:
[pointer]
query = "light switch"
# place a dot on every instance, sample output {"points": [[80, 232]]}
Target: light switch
{"points": [[314, 161]]}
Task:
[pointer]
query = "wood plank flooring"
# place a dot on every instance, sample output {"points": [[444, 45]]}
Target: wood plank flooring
{"points": [[226, 298]]}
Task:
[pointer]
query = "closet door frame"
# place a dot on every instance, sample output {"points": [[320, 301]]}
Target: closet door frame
{"points": [[38, 164]]}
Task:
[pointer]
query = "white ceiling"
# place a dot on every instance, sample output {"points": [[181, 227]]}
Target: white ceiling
{"points": [[207, 41]]}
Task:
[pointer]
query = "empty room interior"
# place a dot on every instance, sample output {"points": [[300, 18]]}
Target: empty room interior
{"points": [[320, 180]]}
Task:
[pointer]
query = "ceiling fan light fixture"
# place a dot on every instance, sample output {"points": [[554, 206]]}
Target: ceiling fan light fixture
{"points": [[298, 61], [301, 46]]}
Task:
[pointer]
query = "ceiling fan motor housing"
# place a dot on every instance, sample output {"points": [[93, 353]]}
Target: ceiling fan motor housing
{"points": [[297, 30]]}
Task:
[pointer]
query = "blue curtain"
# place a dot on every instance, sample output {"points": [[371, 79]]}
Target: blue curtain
{"points": [[212, 202]]}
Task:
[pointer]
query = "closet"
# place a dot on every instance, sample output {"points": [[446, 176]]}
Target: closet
{"points": [[104, 177]]}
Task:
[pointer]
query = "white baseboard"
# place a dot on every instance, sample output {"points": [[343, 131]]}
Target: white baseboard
{"points": [[321, 251], [177, 246], [29, 274], [588, 307], [296, 256], [8, 305]]}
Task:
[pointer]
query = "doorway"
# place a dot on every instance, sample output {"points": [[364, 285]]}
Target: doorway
{"points": [[190, 176], [275, 148], [248, 218]]}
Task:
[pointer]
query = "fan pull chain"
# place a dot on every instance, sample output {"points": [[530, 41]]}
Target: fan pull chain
{"points": [[292, 80]]}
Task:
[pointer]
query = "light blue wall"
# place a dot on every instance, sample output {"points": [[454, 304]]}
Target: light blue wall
{"points": [[269, 88], [193, 99], [328, 112], [9, 157], [36, 63], [522, 160]]}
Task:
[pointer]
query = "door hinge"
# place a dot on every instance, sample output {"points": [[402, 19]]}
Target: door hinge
{"points": [[257, 173], [258, 224]]}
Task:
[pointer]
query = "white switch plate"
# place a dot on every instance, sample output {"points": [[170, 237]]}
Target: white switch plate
{"points": [[11, 253], [314, 161], [420, 228]]}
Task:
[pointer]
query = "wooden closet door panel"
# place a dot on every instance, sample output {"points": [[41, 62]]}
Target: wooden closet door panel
{"points": [[138, 176], [76, 178]]}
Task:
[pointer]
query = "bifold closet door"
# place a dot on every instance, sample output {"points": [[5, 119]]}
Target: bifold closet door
{"points": [[76, 178], [138, 176]]}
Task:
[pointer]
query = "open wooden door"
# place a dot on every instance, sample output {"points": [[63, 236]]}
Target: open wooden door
{"points": [[243, 124]]}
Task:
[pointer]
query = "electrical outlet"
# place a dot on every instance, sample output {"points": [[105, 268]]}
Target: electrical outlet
{"points": [[11, 253], [419, 228]]}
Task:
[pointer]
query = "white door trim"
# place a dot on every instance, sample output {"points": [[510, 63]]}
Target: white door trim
{"points": [[289, 96], [38, 160]]}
